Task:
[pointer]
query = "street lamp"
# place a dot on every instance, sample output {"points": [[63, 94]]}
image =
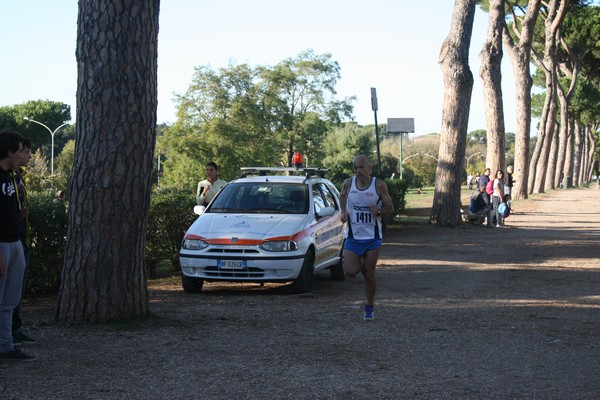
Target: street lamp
{"points": [[471, 156], [411, 156], [52, 132]]}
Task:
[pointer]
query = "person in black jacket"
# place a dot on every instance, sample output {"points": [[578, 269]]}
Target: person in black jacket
{"points": [[12, 258], [478, 208], [19, 336]]}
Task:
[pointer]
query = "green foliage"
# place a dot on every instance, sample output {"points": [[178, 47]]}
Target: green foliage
{"points": [[38, 176], [397, 189], [340, 147], [48, 221], [64, 165], [170, 215], [50, 113], [243, 116]]}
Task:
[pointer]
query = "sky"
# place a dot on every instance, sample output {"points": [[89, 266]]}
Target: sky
{"points": [[389, 45]]}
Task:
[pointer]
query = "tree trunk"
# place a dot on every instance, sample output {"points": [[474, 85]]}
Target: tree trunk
{"points": [[539, 163], [590, 154], [568, 166], [566, 125], [491, 75], [520, 56], [577, 144], [562, 139], [458, 86], [103, 276], [585, 155], [552, 156]]}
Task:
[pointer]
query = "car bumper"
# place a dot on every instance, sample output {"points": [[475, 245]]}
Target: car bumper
{"points": [[266, 269]]}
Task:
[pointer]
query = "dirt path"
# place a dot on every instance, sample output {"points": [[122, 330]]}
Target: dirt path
{"points": [[470, 313]]}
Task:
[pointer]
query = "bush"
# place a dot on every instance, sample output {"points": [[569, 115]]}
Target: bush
{"points": [[48, 222], [170, 214], [397, 189]]}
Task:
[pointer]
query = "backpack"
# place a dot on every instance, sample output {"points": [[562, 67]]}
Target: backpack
{"points": [[489, 189], [504, 210]]}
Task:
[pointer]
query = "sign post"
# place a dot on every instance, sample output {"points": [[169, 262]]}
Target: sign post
{"points": [[400, 126], [374, 107]]}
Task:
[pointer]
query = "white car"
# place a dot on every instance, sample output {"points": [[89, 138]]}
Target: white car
{"points": [[266, 228]]}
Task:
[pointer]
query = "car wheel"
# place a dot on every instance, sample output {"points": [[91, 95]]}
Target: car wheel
{"points": [[304, 282], [191, 285], [337, 270]]}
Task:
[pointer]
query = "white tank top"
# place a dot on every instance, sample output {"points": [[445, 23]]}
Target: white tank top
{"points": [[362, 223]]}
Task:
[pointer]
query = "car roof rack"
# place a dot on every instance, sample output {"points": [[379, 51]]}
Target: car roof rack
{"points": [[291, 171]]}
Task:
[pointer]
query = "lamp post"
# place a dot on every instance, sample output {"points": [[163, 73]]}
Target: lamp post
{"points": [[471, 156], [52, 132], [375, 107], [411, 156]]}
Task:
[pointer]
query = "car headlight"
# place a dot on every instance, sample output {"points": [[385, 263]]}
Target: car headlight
{"points": [[192, 244], [287, 245]]}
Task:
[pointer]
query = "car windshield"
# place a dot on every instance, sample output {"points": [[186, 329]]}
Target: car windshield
{"points": [[261, 198]]}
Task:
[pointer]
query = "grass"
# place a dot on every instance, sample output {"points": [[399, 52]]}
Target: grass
{"points": [[418, 205]]}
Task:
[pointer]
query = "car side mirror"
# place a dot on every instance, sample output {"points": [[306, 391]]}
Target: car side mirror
{"points": [[326, 212], [199, 210]]}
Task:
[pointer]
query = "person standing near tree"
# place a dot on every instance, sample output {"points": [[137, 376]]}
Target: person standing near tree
{"points": [[509, 183], [364, 200], [498, 197], [19, 336], [483, 181], [210, 186], [12, 258]]}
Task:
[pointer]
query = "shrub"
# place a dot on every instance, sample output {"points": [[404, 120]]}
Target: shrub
{"points": [[48, 222], [397, 189], [170, 214]]}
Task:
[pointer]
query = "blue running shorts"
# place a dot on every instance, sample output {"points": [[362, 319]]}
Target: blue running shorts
{"points": [[360, 247]]}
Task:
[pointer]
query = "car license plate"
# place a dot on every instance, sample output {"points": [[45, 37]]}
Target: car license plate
{"points": [[231, 264]]}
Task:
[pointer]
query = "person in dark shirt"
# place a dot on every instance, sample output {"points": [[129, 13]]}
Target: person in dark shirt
{"points": [[19, 336], [12, 258], [478, 208]]}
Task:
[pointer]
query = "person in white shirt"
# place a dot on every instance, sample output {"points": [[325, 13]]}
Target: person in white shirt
{"points": [[210, 186], [365, 200], [498, 197]]}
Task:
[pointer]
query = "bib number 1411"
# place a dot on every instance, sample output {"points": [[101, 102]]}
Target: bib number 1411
{"points": [[364, 218]]}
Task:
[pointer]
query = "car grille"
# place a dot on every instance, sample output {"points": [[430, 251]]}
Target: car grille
{"points": [[234, 273], [238, 251]]}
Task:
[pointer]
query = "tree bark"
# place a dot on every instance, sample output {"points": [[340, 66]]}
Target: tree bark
{"points": [[458, 86], [103, 276], [491, 75], [590, 154], [566, 125], [520, 55], [548, 125], [577, 145], [568, 165]]}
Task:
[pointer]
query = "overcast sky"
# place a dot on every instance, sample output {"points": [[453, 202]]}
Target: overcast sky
{"points": [[387, 44]]}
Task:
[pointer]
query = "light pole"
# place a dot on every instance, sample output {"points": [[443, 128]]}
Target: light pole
{"points": [[471, 156], [52, 132], [411, 156], [375, 107], [430, 156]]}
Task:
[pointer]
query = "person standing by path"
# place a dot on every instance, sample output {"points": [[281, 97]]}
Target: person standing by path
{"points": [[12, 258], [365, 200], [210, 186], [498, 197], [19, 336]]}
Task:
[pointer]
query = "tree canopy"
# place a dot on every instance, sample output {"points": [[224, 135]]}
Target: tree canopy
{"points": [[251, 116]]}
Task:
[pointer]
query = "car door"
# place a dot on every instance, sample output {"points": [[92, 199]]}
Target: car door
{"points": [[329, 234]]}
